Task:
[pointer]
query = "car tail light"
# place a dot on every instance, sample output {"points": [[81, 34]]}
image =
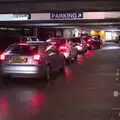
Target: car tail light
{"points": [[24, 44], [88, 44], [89, 40], [53, 43], [2, 57], [63, 48], [81, 45], [36, 57]]}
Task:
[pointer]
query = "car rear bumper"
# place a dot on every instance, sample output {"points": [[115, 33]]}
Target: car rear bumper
{"points": [[22, 71]]}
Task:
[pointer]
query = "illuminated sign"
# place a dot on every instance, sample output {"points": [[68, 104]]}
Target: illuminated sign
{"points": [[66, 16], [21, 17], [15, 17]]}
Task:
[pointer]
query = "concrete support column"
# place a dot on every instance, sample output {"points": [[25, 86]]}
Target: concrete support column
{"points": [[67, 33]]}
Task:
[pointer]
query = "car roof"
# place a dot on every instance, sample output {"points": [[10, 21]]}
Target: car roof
{"points": [[59, 38], [33, 43], [36, 42]]}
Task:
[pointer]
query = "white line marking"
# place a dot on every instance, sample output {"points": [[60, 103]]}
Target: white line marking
{"points": [[117, 74]]}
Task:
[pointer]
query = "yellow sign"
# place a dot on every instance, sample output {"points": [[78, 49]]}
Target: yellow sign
{"points": [[101, 33]]}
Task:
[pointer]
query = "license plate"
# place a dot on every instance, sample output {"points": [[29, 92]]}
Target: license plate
{"points": [[19, 60]]}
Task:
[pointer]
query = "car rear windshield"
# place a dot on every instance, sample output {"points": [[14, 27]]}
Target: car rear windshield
{"points": [[27, 50], [59, 41]]}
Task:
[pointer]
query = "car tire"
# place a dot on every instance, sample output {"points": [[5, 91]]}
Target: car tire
{"points": [[67, 61], [89, 48], [76, 57], [48, 73], [62, 69], [83, 52]]}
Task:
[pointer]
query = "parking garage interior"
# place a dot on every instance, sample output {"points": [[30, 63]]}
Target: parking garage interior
{"points": [[89, 88]]}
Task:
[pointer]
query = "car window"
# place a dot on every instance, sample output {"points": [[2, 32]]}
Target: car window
{"points": [[10, 47], [59, 41], [51, 49], [27, 50]]}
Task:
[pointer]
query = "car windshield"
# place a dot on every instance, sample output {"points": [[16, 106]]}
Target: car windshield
{"points": [[58, 41]]}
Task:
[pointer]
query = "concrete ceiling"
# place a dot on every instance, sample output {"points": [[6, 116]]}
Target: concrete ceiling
{"points": [[22, 6], [47, 23]]}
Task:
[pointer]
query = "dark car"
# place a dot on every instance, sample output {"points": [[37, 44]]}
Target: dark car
{"points": [[31, 60]]}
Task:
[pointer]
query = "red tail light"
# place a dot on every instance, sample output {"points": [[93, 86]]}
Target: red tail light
{"points": [[89, 40], [88, 44], [24, 44], [2, 57], [63, 48], [36, 57], [53, 43], [81, 45]]}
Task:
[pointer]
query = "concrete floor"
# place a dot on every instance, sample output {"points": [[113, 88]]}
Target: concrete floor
{"points": [[89, 90]]}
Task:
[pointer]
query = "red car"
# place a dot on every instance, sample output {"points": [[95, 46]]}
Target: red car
{"points": [[65, 47]]}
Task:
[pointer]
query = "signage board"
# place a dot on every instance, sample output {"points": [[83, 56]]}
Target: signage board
{"points": [[21, 16], [15, 17], [66, 16]]}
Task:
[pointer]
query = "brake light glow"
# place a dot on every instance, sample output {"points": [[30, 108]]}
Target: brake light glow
{"points": [[63, 48], [24, 44], [89, 40], [53, 43], [81, 45], [2, 57], [37, 57], [88, 44]]}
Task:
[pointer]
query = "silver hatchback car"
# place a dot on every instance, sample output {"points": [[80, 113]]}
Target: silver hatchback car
{"points": [[31, 60]]}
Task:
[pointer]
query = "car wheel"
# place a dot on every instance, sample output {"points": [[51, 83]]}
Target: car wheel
{"points": [[48, 73], [99, 47], [83, 52], [86, 50], [89, 48], [76, 57], [67, 61], [62, 69]]}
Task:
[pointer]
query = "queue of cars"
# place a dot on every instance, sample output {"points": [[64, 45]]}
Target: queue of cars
{"points": [[36, 59]]}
